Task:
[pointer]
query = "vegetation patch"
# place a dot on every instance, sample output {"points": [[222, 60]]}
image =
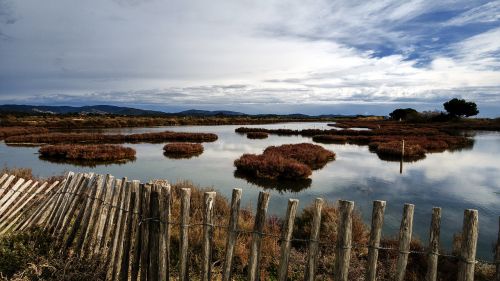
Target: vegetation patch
{"points": [[330, 139], [257, 135], [182, 150], [6, 132], [157, 137], [285, 162], [101, 152]]}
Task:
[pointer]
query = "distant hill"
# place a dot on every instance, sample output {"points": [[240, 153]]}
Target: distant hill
{"points": [[195, 112], [92, 109]]}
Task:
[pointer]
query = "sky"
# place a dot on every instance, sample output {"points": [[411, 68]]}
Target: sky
{"points": [[252, 56]]}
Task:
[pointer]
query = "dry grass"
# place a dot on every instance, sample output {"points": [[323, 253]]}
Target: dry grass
{"points": [[100, 152], [6, 132], [58, 138], [314, 156], [182, 150]]}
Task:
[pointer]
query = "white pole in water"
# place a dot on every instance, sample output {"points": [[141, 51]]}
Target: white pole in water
{"points": [[403, 149]]}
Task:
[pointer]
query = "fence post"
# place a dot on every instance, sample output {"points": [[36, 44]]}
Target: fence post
{"points": [[145, 204], [497, 254], [154, 235], [123, 272], [260, 220], [375, 234], [184, 232], [165, 202], [404, 241], [231, 233], [433, 248], [469, 243], [344, 239], [208, 233], [136, 248], [313, 247], [286, 237]]}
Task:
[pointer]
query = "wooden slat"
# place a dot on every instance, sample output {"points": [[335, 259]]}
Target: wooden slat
{"points": [[165, 203], [104, 215], [433, 248], [5, 187], [114, 234], [13, 190], [405, 232], [497, 253], [121, 228], [375, 234], [15, 205], [145, 204], [184, 233], [286, 237], [107, 243], [232, 234], [90, 238], [467, 259], [52, 212], [208, 234], [154, 235], [58, 207], [260, 220], [137, 240], [313, 247], [344, 240], [127, 235], [72, 208]]}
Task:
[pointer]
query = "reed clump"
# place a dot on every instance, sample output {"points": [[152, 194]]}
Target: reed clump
{"points": [[156, 137], [286, 162], [6, 132], [101, 152], [257, 135], [182, 150], [327, 139]]}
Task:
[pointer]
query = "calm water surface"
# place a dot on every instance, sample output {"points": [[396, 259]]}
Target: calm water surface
{"points": [[452, 180]]}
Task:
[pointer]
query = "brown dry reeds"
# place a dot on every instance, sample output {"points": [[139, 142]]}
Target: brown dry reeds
{"points": [[257, 135], [285, 162], [6, 132], [329, 139], [182, 150], [101, 152], [56, 138]]}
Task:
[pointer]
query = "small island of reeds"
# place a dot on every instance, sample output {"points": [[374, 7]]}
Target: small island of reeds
{"points": [[98, 153], [182, 150], [257, 135], [285, 162]]}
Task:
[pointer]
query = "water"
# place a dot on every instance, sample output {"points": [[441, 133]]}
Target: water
{"points": [[452, 180]]}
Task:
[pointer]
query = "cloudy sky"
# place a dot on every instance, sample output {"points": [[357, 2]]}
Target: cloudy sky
{"points": [[309, 56]]}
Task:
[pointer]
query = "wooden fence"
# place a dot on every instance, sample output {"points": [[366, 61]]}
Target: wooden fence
{"points": [[128, 224]]}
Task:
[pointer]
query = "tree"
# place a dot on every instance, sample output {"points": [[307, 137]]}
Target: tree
{"points": [[459, 107], [404, 114]]}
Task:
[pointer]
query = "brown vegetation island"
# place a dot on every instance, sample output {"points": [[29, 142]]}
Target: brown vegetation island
{"points": [[6, 132], [257, 135], [87, 155], [385, 137], [285, 162], [156, 137], [35, 254], [182, 150]]}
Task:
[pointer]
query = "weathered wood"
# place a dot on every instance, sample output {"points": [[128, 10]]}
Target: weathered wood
{"points": [[13, 190], [5, 186], [184, 232], [121, 228], [104, 214], [145, 205], [405, 232], [375, 235], [433, 248], [260, 220], [113, 245], [165, 203], [208, 234], [286, 237], [91, 235], [69, 195], [54, 207], [86, 218], [467, 260], [232, 233], [344, 240], [4, 177], [313, 247], [80, 191], [125, 260], [109, 231], [136, 247], [154, 235], [497, 253]]}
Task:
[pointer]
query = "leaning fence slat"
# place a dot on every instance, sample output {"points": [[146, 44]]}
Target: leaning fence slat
{"points": [[146, 196], [86, 219], [107, 241], [433, 249], [14, 214], [136, 248], [125, 260], [313, 246], [184, 232], [4, 176], [405, 232], [154, 235], [497, 253], [104, 214], [231, 233], [286, 237], [375, 234], [12, 190], [165, 202], [5, 187], [52, 212], [467, 259], [10, 202], [208, 233], [61, 216], [127, 185], [44, 205], [260, 220], [113, 242], [91, 238], [344, 240], [69, 213]]}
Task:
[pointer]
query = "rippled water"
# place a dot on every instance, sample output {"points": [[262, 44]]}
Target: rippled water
{"points": [[452, 180]]}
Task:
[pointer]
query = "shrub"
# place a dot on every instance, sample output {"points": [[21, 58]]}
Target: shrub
{"points": [[257, 135], [272, 166], [330, 139], [182, 150], [101, 152], [312, 155]]}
